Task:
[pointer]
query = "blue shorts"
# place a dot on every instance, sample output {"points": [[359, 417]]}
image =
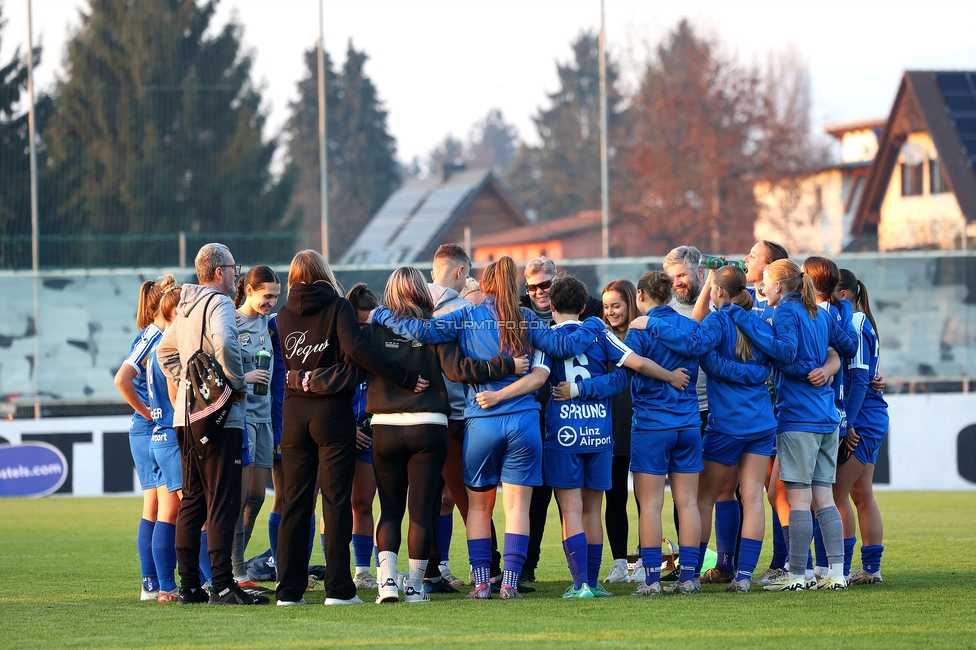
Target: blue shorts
{"points": [[170, 466], [276, 450], [140, 435], [366, 456], [727, 450], [503, 449], [662, 452], [869, 445], [567, 471]]}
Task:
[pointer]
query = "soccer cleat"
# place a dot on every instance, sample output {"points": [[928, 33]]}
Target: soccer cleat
{"points": [[412, 595], [289, 603], [355, 600], [234, 595], [810, 581], [820, 571], [365, 580], [786, 582], [388, 592], [150, 589], [716, 575], [451, 579], [618, 573], [672, 576], [509, 593], [168, 596], [583, 592], [743, 586], [148, 595], [686, 587], [528, 575], [600, 591], [254, 588], [829, 582], [480, 592], [769, 576], [637, 575], [193, 596], [441, 586], [862, 577], [653, 589], [313, 584]]}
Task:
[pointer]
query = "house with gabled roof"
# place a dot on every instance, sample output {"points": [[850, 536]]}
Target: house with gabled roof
{"points": [[451, 207], [921, 191]]}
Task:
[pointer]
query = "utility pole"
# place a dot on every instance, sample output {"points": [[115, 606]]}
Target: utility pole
{"points": [[323, 153]]}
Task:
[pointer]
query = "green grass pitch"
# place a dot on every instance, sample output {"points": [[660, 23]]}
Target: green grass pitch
{"points": [[69, 577]]}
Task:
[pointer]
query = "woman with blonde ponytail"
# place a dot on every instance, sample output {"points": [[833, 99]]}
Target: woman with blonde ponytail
{"points": [[503, 443], [807, 427]]}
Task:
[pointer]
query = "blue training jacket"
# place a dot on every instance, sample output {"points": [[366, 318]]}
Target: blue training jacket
{"points": [[476, 331], [866, 408], [657, 405]]}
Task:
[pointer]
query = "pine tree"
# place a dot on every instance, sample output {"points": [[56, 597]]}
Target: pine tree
{"points": [[363, 171], [492, 143], [566, 167], [158, 130]]}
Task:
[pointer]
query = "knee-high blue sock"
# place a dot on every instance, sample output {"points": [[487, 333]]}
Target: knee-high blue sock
{"points": [[362, 550], [749, 550], [516, 547], [810, 556], [274, 522], [818, 545], [311, 540], [651, 559], [164, 554], [576, 557], [786, 540], [206, 568], [701, 558], [150, 581], [726, 530], [479, 554], [445, 530], [594, 557], [688, 556], [849, 544], [781, 551], [871, 557]]}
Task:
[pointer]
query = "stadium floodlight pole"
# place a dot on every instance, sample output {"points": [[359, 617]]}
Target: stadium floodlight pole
{"points": [[323, 154], [35, 231], [604, 172]]}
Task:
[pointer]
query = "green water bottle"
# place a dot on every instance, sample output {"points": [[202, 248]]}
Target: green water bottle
{"points": [[715, 262]]}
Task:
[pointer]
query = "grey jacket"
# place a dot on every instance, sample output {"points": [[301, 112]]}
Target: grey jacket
{"points": [[181, 340], [445, 301]]}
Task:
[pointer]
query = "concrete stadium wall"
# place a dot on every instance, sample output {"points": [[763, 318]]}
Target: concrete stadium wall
{"points": [[931, 445]]}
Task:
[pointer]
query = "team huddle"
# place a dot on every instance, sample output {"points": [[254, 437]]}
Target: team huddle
{"points": [[444, 392]]}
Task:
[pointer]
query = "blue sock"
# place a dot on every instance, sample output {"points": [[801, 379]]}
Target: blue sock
{"points": [[576, 557], [479, 554], [516, 547], [274, 522], [311, 540], [362, 549], [781, 551], [818, 545], [726, 530], [206, 568], [150, 581], [594, 557], [810, 556], [786, 540], [701, 558], [871, 557], [445, 530], [849, 543], [164, 554], [651, 559], [688, 556], [749, 550]]}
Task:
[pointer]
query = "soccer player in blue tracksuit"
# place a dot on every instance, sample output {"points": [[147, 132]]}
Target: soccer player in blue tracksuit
{"points": [[867, 421], [741, 426], [807, 418], [502, 443]]}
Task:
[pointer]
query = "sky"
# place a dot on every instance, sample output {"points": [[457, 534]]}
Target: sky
{"points": [[441, 65]]}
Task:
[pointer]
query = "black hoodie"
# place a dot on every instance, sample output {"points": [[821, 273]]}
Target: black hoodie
{"points": [[318, 329]]}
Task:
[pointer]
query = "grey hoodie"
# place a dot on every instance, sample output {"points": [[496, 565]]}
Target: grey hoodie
{"points": [[447, 300], [181, 340]]}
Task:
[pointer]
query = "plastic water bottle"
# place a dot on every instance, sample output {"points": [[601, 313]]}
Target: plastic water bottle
{"points": [[715, 262], [263, 362]]}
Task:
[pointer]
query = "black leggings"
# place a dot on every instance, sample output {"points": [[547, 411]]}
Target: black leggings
{"points": [[408, 456], [618, 525]]}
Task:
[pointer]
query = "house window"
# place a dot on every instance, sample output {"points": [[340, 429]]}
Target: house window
{"points": [[937, 181], [911, 180]]}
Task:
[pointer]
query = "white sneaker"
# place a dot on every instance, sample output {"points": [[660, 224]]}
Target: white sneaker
{"points": [[365, 580], [829, 582], [411, 595], [638, 574], [862, 577], [355, 600], [388, 592], [769, 576], [618, 573], [289, 603], [786, 582]]}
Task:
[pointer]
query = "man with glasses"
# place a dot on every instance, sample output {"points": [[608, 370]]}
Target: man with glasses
{"points": [[212, 486], [539, 274]]}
